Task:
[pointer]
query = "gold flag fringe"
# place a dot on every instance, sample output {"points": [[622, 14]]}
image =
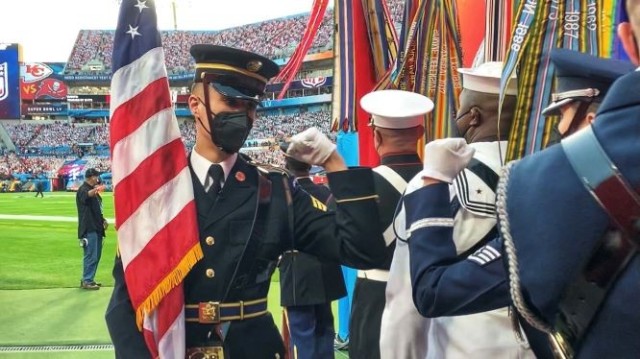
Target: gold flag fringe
{"points": [[169, 282]]}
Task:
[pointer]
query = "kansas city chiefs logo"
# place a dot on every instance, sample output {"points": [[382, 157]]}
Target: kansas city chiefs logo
{"points": [[4, 81], [35, 72]]}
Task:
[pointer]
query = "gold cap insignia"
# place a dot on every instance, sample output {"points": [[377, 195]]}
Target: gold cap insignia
{"points": [[254, 66]]}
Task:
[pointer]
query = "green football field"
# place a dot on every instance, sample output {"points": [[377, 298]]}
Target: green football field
{"points": [[44, 313]]}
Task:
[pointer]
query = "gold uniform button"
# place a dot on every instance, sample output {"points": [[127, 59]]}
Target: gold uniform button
{"points": [[210, 240], [210, 273]]}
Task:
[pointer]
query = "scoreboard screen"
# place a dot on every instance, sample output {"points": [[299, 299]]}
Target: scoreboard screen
{"points": [[9, 81]]}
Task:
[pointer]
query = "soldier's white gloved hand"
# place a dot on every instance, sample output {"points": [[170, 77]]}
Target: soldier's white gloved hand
{"points": [[445, 158], [311, 146]]}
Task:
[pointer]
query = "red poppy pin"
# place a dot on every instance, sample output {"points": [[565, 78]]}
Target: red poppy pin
{"points": [[240, 176]]}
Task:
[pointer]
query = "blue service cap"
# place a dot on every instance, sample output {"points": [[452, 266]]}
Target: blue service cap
{"points": [[582, 77], [236, 73]]}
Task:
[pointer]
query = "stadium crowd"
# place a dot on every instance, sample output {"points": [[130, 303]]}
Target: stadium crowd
{"points": [[21, 134], [92, 51], [271, 125], [283, 35], [32, 139], [36, 167]]}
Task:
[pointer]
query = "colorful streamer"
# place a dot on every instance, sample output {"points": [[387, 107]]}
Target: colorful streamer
{"points": [[431, 53], [498, 24], [289, 72]]}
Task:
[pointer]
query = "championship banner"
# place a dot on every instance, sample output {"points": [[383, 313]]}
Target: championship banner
{"points": [[57, 109]]}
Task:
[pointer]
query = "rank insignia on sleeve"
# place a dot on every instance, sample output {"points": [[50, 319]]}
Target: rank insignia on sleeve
{"points": [[485, 255], [318, 205]]}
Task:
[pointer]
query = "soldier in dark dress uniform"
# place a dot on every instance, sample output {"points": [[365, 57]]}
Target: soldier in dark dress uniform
{"points": [[397, 117], [248, 215], [308, 285]]}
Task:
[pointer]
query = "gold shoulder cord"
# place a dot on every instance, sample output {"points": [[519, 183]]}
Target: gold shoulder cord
{"points": [[345, 200]]}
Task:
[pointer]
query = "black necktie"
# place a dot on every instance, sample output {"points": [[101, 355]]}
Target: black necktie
{"points": [[215, 174]]}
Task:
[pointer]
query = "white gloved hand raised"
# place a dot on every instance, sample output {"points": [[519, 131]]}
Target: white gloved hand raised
{"points": [[445, 158], [311, 146]]}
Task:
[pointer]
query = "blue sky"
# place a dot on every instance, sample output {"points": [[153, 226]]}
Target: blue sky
{"points": [[47, 29]]}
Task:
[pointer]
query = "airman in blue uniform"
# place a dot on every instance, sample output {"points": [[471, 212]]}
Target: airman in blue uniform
{"points": [[568, 225], [445, 284]]}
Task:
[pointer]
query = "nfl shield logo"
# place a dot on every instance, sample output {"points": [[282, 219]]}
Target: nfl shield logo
{"points": [[314, 82], [4, 81]]}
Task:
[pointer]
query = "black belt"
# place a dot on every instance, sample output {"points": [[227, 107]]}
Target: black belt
{"points": [[583, 298], [216, 312]]}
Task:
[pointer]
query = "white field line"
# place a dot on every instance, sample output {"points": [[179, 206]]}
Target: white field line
{"points": [[25, 217]]}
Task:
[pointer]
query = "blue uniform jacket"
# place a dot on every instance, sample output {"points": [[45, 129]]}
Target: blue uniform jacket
{"points": [[445, 284], [555, 224]]}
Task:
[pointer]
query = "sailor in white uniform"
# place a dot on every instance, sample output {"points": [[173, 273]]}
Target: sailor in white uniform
{"points": [[472, 198]]}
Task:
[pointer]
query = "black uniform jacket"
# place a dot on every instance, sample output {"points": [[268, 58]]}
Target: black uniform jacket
{"points": [[89, 211], [407, 166], [304, 279], [350, 235], [369, 295]]}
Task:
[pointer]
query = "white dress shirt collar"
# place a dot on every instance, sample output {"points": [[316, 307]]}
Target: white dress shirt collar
{"points": [[201, 165]]}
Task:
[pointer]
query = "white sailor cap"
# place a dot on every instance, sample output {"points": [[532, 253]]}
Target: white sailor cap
{"points": [[396, 109], [486, 78]]}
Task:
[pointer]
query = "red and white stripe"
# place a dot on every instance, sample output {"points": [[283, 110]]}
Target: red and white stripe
{"points": [[154, 202]]}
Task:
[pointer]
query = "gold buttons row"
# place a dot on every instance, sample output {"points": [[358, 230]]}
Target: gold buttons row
{"points": [[210, 240], [210, 273]]}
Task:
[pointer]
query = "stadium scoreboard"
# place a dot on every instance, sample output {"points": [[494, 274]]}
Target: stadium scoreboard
{"points": [[10, 81]]}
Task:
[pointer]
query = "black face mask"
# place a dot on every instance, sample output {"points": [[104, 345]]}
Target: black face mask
{"points": [[555, 137], [229, 130]]}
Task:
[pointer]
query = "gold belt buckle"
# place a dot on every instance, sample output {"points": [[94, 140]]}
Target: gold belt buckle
{"points": [[209, 313], [205, 353], [561, 349]]}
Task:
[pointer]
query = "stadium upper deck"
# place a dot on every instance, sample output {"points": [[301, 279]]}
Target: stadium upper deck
{"points": [[40, 145], [275, 39]]}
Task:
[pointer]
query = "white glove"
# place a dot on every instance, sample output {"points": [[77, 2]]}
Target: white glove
{"points": [[445, 158], [311, 146]]}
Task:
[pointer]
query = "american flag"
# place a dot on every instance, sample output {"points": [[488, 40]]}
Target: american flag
{"points": [[155, 209]]}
